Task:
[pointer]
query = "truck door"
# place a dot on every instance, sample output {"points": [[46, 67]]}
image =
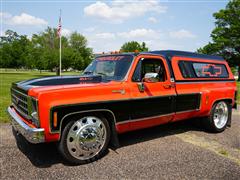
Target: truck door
{"points": [[152, 92]]}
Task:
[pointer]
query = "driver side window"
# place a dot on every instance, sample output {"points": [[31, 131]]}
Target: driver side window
{"points": [[149, 66]]}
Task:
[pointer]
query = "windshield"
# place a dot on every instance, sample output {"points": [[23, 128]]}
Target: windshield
{"points": [[110, 67]]}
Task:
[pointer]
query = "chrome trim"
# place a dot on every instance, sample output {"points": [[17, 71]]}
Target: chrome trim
{"points": [[121, 91], [79, 112], [17, 97], [144, 119], [33, 135], [30, 100], [187, 111], [19, 92], [21, 112]]}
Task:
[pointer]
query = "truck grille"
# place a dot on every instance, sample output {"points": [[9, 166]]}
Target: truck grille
{"points": [[20, 102]]}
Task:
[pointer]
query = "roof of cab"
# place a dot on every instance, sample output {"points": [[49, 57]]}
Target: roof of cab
{"points": [[168, 54]]}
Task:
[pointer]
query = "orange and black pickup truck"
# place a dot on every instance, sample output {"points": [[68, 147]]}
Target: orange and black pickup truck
{"points": [[122, 92]]}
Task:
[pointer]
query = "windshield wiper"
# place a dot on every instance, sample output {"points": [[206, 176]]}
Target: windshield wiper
{"points": [[100, 73], [87, 72]]}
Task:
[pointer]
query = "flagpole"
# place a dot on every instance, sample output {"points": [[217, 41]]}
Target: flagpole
{"points": [[60, 46]]}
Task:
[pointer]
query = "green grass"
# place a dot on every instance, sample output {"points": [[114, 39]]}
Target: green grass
{"points": [[9, 76], [238, 97]]}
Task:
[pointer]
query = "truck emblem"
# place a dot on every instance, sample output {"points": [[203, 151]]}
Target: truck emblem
{"points": [[212, 70]]}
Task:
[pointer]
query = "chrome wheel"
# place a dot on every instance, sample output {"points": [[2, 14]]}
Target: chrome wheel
{"points": [[86, 138], [220, 115]]}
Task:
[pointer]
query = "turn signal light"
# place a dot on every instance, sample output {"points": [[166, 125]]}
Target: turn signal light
{"points": [[55, 119]]}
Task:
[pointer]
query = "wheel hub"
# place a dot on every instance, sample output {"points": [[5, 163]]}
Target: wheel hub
{"points": [[220, 115], [89, 138], [86, 138]]}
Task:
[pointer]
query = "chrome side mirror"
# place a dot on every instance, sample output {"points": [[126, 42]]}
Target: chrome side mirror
{"points": [[151, 77]]}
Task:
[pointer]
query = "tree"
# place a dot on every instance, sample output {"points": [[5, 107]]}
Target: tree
{"points": [[226, 35], [83, 54], [132, 46], [47, 42], [14, 49]]}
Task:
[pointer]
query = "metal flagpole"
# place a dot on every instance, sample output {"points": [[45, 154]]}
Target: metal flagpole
{"points": [[60, 44]]}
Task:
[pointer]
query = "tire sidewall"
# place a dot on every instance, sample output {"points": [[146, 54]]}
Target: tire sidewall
{"points": [[62, 146]]}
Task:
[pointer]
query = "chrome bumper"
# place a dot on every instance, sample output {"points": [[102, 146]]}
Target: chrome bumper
{"points": [[33, 135]]}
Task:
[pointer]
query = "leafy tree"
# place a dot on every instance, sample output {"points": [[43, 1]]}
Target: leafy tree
{"points": [[132, 46], [226, 35], [42, 51], [83, 54], [14, 50]]}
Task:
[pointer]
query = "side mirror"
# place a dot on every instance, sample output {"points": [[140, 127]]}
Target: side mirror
{"points": [[151, 77]]}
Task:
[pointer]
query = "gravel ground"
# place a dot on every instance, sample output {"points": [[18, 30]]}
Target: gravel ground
{"points": [[174, 151]]}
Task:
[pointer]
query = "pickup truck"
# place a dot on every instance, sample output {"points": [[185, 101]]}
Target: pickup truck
{"points": [[122, 92]]}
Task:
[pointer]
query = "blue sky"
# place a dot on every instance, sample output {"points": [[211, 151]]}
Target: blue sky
{"points": [[172, 24]]}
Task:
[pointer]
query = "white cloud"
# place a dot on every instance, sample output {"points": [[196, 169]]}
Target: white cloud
{"points": [[66, 32], [140, 33], [5, 15], [152, 20], [155, 39], [119, 10], [23, 19], [105, 35], [181, 34], [90, 29]]}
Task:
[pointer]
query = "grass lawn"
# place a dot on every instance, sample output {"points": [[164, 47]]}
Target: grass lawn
{"points": [[238, 98], [7, 77]]}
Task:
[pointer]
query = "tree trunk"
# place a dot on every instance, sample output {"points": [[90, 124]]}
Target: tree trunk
{"points": [[57, 71], [239, 72]]}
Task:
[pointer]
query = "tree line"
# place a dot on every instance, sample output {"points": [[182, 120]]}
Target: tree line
{"points": [[42, 51]]}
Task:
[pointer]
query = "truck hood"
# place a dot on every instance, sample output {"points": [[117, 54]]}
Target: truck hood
{"points": [[57, 80]]}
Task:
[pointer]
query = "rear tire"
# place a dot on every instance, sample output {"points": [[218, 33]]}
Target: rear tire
{"points": [[219, 117], [84, 140]]}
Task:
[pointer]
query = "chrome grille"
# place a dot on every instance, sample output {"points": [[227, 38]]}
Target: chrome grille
{"points": [[20, 102]]}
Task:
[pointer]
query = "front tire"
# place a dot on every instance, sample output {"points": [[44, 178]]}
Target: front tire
{"points": [[84, 140], [219, 117]]}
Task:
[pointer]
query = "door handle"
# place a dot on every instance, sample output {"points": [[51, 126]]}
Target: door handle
{"points": [[168, 86]]}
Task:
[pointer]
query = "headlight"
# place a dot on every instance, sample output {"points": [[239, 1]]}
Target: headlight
{"points": [[33, 111]]}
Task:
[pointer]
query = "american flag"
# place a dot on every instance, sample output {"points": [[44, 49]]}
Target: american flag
{"points": [[59, 27]]}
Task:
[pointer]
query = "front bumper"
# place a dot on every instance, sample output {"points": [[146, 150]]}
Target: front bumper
{"points": [[33, 135]]}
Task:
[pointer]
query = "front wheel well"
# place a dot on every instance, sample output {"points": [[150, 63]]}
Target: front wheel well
{"points": [[107, 114]]}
